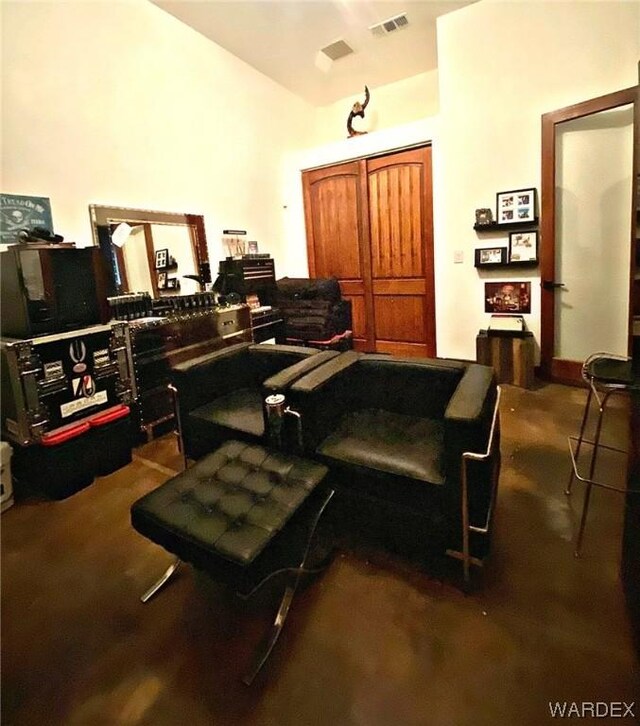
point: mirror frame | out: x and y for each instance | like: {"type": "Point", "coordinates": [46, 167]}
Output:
{"type": "Point", "coordinates": [105, 216]}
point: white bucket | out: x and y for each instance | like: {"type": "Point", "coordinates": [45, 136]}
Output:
{"type": "Point", "coordinates": [6, 482]}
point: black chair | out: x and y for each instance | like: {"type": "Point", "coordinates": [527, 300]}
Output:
{"type": "Point", "coordinates": [413, 444]}
{"type": "Point", "coordinates": [219, 396]}
{"type": "Point", "coordinates": [605, 374]}
{"type": "Point", "coordinates": [314, 313]}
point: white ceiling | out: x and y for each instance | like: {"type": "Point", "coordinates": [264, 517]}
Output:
{"type": "Point", "coordinates": [281, 38]}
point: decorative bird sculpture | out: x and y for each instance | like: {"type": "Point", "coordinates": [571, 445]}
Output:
{"type": "Point", "coordinates": [357, 110]}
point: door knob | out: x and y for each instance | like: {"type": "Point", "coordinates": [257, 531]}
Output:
{"type": "Point", "coordinates": [551, 285]}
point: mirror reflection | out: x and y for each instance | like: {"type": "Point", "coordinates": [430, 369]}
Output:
{"type": "Point", "coordinates": [154, 252]}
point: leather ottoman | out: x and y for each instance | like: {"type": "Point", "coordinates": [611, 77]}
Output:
{"type": "Point", "coordinates": [242, 514]}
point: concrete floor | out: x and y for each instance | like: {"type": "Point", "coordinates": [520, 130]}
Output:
{"type": "Point", "coordinates": [373, 642]}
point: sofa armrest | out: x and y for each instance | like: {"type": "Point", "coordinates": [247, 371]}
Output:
{"type": "Point", "coordinates": [270, 350]}
{"type": "Point", "coordinates": [268, 360]}
{"type": "Point", "coordinates": [467, 418]}
{"type": "Point", "coordinates": [319, 399]}
{"type": "Point", "coordinates": [280, 382]}
{"type": "Point", "coordinates": [470, 418]}
{"type": "Point", "coordinates": [469, 400]}
{"type": "Point", "coordinates": [202, 379]}
{"type": "Point", "coordinates": [317, 379]}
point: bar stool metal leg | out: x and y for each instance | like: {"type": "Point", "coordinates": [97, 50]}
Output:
{"type": "Point", "coordinates": [592, 467]}
{"type": "Point", "coordinates": [585, 417]}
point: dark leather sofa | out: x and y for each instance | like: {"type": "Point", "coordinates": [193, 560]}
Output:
{"type": "Point", "coordinates": [219, 396]}
{"type": "Point", "coordinates": [393, 432]}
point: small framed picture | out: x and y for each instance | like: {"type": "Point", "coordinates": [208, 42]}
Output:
{"type": "Point", "coordinates": [491, 256]}
{"type": "Point", "coordinates": [484, 217]}
{"type": "Point", "coordinates": [162, 259]}
{"type": "Point", "coordinates": [516, 207]}
{"type": "Point", "coordinates": [507, 297]}
{"type": "Point", "coordinates": [162, 280]}
{"type": "Point", "coordinates": [172, 283]}
{"type": "Point", "coordinates": [523, 247]}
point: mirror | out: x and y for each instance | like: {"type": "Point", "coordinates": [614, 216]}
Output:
{"type": "Point", "coordinates": [156, 252]}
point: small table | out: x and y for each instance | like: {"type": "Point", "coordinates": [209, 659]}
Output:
{"type": "Point", "coordinates": [242, 514]}
{"type": "Point", "coordinates": [511, 356]}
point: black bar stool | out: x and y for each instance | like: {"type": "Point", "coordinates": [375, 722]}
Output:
{"type": "Point", "coordinates": [605, 374]}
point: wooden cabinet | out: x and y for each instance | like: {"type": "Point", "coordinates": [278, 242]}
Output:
{"type": "Point", "coordinates": [511, 356]}
{"type": "Point", "coordinates": [370, 224]}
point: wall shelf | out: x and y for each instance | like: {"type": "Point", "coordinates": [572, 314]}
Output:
{"type": "Point", "coordinates": [506, 227]}
{"type": "Point", "coordinates": [503, 265]}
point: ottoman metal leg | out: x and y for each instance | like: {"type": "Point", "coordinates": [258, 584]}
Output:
{"type": "Point", "coordinates": [264, 651]}
{"type": "Point", "coordinates": [267, 645]}
{"type": "Point", "coordinates": [160, 583]}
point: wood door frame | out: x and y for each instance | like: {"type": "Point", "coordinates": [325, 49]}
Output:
{"type": "Point", "coordinates": [558, 370]}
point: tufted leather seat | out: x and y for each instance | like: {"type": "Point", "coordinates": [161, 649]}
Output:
{"type": "Point", "coordinates": [230, 504]}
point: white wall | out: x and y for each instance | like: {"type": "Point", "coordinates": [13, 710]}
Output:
{"type": "Point", "coordinates": [391, 105]}
{"type": "Point", "coordinates": [130, 107]}
{"type": "Point", "coordinates": [501, 66]}
{"type": "Point", "coordinates": [118, 103]}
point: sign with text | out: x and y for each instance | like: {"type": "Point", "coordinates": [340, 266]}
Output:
{"type": "Point", "coordinates": [21, 212]}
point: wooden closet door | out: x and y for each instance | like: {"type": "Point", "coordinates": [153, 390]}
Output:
{"type": "Point", "coordinates": [337, 244]}
{"type": "Point", "coordinates": [401, 241]}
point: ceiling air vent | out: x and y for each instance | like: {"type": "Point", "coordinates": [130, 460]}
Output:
{"type": "Point", "coordinates": [389, 26]}
{"type": "Point", "coordinates": [337, 50]}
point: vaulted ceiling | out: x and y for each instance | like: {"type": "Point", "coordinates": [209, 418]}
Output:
{"type": "Point", "coordinates": [283, 39]}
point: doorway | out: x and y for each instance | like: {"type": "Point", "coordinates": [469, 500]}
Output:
{"type": "Point", "coordinates": [586, 250]}
{"type": "Point", "coordinates": [369, 223]}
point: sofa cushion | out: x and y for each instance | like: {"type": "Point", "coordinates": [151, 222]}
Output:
{"type": "Point", "coordinates": [405, 446]}
{"type": "Point", "coordinates": [240, 410]}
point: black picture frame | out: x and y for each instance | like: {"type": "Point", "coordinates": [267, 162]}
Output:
{"type": "Point", "coordinates": [162, 280]}
{"type": "Point", "coordinates": [523, 247]}
{"type": "Point", "coordinates": [517, 206]}
{"type": "Point", "coordinates": [162, 259]}
{"type": "Point", "coordinates": [490, 256]}
{"type": "Point", "coordinates": [172, 283]}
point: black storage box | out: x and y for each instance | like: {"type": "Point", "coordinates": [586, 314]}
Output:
{"type": "Point", "coordinates": [56, 471]}
{"type": "Point", "coordinates": [70, 458]}
{"type": "Point", "coordinates": [111, 440]}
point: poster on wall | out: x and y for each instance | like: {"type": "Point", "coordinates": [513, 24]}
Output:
{"type": "Point", "coordinates": [507, 297]}
{"type": "Point", "coordinates": [22, 212]}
